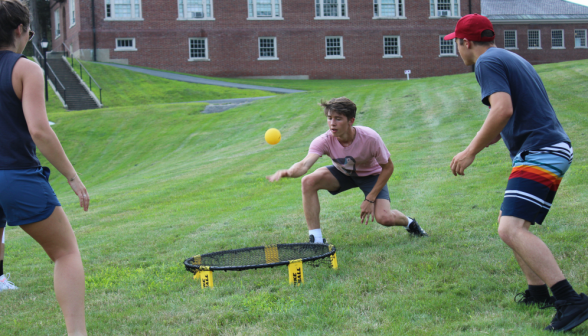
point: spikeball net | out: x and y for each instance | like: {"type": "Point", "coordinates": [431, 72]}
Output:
{"type": "Point", "coordinates": [242, 259]}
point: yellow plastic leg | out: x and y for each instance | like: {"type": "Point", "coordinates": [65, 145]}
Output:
{"type": "Point", "coordinates": [295, 272]}
{"type": "Point", "coordinates": [206, 279]}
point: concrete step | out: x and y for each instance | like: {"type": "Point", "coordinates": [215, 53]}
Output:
{"type": "Point", "coordinates": [77, 98]}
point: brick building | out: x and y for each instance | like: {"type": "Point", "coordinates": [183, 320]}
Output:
{"type": "Point", "coordinates": [298, 38]}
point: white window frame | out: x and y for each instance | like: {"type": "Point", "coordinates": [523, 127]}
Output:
{"type": "Point", "coordinates": [72, 13]}
{"type": "Point", "coordinates": [399, 5]}
{"type": "Point", "coordinates": [136, 15]}
{"type": "Point", "coordinates": [399, 55]}
{"type": "Point", "coordinates": [455, 11]}
{"type": "Point", "coordinates": [327, 56]}
{"type": "Point", "coordinates": [529, 39]}
{"type": "Point", "coordinates": [342, 6]}
{"type": "Point", "coordinates": [117, 48]}
{"type": "Point", "coordinates": [57, 18]}
{"type": "Point", "coordinates": [454, 44]}
{"type": "Point", "coordinates": [195, 59]}
{"type": "Point", "coordinates": [563, 43]}
{"type": "Point", "coordinates": [516, 40]}
{"type": "Point", "coordinates": [276, 6]}
{"type": "Point", "coordinates": [268, 58]}
{"type": "Point", "coordinates": [585, 39]}
{"type": "Point", "coordinates": [207, 15]}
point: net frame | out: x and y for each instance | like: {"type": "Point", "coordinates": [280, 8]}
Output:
{"type": "Point", "coordinates": [195, 268]}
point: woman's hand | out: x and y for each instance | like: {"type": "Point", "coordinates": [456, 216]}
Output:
{"type": "Point", "coordinates": [78, 187]}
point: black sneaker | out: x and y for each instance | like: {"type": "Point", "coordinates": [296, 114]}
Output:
{"type": "Point", "coordinates": [415, 230]}
{"type": "Point", "coordinates": [311, 239]}
{"type": "Point", "coordinates": [528, 299]}
{"type": "Point", "coordinates": [570, 314]}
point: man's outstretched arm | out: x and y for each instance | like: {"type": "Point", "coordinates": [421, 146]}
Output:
{"type": "Point", "coordinates": [298, 169]}
{"type": "Point", "coordinates": [497, 118]}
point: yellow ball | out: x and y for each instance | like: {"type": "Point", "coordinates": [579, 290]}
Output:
{"type": "Point", "coordinates": [273, 136]}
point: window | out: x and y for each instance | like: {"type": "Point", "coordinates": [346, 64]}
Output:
{"type": "Point", "coordinates": [195, 10]}
{"type": "Point", "coordinates": [447, 47]}
{"type": "Point", "coordinates": [331, 9]}
{"type": "Point", "coordinates": [199, 49]}
{"type": "Point", "coordinates": [57, 24]}
{"type": "Point", "coordinates": [264, 9]}
{"type": "Point", "coordinates": [510, 39]}
{"type": "Point", "coordinates": [334, 47]}
{"type": "Point", "coordinates": [534, 39]}
{"type": "Point", "coordinates": [392, 47]}
{"type": "Point", "coordinates": [444, 8]}
{"type": "Point", "coordinates": [72, 12]}
{"type": "Point", "coordinates": [125, 44]}
{"type": "Point", "coordinates": [267, 48]}
{"type": "Point", "coordinates": [123, 9]}
{"type": "Point", "coordinates": [389, 9]}
{"type": "Point", "coordinates": [557, 39]}
{"type": "Point", "coordinates": [580, 38]}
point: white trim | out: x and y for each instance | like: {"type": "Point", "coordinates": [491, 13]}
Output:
{"type": "Point", "coordinates": [331, 17]}
{"type": "Point", "coordinates": [327, 56]}
{"type": "Point", "coordinates": [516, 39]}
{"type": "Point", "coordinates": [538, 21]}
{"type": "Point", "coordinates": [193, 59]}
{"type": "Point", "coordinates": [563, 39]}
{"type": "Point", "coordinates": [57, 21]}
{"type": "Point", "coordinates": [454, 54]}
{"type": "Point", "coordinates": [264, 19]}
{"type": "Point", "coordinates": [117, 48]}
{"type": "Point", "coordinates": [444, 17]}
{"type": "Point", "coordinates": [275, 47]}
{"type": "Point", "coordinates": [538, 37]}
{"type": "Point", "coordinates": [389, 18]}
{"type": "Point", "coordinates": [134, 15]}
{"type": "Point", "coordinates": [273, 16]}
{"type": "Point", "coordinates": [205, 17]}
{"type": "Point", "coordinates": [447, 55]}
{"type": "Point", "coordinates": [399, 55]}
{"type": "Point", "coordinates": [72, 13]}
{"type": "Point", "coordinates": [435, 4]}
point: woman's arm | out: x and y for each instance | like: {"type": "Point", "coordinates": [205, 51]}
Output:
{"type": "Point", "coordinates": [33, 105]}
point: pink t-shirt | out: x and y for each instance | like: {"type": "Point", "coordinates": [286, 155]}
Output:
{"type": "Point", "coordinates": [362, 158]}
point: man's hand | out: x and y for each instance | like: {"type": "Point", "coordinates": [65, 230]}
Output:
{"type": "Point", "coordinates": [367, 209]}
{"type": "Point", "coordinates": [277, 175]}
{"type": "Point", "coordinates": [461, 161]}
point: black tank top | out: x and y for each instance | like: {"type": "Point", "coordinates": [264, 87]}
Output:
{"type": "Point", "coordinates": [17, 149]}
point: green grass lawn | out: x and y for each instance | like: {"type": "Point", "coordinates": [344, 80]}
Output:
{"type": "Point", "coordinates": [127, 88]}
{"type": "Point", "coordinates": [167, 182]}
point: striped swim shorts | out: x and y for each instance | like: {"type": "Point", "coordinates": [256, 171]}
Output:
{"type": "Point", "coordinates": [534, 181]}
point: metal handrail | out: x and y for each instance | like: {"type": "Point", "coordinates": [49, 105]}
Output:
{"type": "Point", "coordinates": [51, 74]}
{"type": "Point", "coordinates": [84, 68]}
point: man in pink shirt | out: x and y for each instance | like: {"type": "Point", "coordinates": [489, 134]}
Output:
{"type": "Point", "coordinates": [360, 160]}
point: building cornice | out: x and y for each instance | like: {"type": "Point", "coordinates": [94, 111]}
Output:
{"type": "Point", "coordinates": [535, 21]}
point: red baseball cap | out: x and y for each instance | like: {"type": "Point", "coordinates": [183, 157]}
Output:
{"type": "Point", "coordinates": [471, 27]}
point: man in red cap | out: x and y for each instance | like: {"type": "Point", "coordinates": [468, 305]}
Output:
{"type": "Point", "coordinates": [521, 114]}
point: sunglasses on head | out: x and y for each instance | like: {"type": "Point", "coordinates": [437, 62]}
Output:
{"type": "Point", "coordinates": [31, 34]}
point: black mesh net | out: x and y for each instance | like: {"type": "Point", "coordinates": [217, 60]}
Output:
{"type": "Point", "coordinates": [261, 256]}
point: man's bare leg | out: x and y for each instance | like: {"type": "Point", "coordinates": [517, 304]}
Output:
{"type": "Point", "coordinates": [311, 184]}
{"type": "Point", "coordinates": [388, 217]}
{"type": "Point", "coordinates": [531, 250]}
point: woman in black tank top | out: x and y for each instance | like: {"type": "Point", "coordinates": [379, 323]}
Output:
{"type": "Point", "coordinates": [27, 200]}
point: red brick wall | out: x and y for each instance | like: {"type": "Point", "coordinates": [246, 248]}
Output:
{"type": "Point", "coordinates": [69, 36]}
{"type": "Point", "coordinates": [546, 54]}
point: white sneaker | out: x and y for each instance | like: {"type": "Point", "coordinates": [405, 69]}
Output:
{"type": "Point", "coordinates": [5, 284]}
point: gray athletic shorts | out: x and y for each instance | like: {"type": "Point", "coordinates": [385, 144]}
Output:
{"type": "Point", "coordinates": [365, 183]}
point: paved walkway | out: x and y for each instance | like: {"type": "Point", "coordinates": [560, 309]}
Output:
{"type": "Point", "coordinates": [198, 80]}
{"type": "Point", "coordinates": [221, 105]}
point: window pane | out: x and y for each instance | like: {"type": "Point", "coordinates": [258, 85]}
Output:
{"type": "Point", "coordinates": [433, 8]}
{"type": "Point", "coordinates": [197, 48]}
{"type": "Point", "coordinates": [277, 11]}
{"type": "Point", "coordinates": [330, 8]}
{"type": "Point", "coordinates": [446, 46]}
{"type": "Point", "coordinates": [391, 46]}
{"type": "Point", "coordinates": [181, 8]}
{"type": "Point", "coordinates": [510, 39]}
{"type": "Point", "coordinates": [400, 8]}
{"type": "Point", "coordinates": [122, 8]}
{"type": "Point", "coordinates": [444, 5]}
{"type": "Point", "coordinates": [580, 38]}
{"type": "Point", "coordinates": [334, 46]}
{"type": "Point", "coordinates": [264, 8]}
{"type": "Point", "coordinates": [318, 8]}
{"type": "Point", "coordinates": [195, 9]}
{"type": "Point", "coordinates": [376, 9]}
{"type": "Point", "coordinates": [266, 48]}
{"type": "Point", "coordinates": [534, 39]}
{"type": "Point", "coordinates": [557, 38]}
{"type": "Point", "coordinates": [388, 8]}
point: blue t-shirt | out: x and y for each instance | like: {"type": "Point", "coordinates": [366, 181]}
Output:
{"type": "Point", "coordinates": [533, 124]}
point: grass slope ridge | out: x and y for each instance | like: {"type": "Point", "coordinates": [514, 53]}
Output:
{"type": "Point", "coordinates": [168, 182]}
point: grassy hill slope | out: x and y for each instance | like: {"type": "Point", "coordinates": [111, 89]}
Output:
{"type": "Point", "coordinates": [167, 182]}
